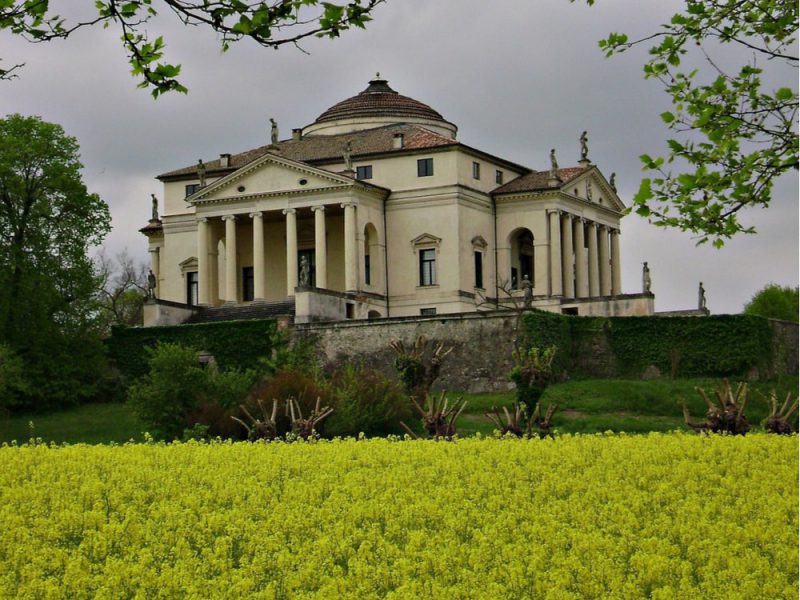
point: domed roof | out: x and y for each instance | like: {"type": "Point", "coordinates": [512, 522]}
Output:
{"type": "Point", "coordinates": [379, 100]}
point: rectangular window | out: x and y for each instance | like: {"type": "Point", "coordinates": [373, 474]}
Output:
{"type": "Point", "coordinates": [478, 269]}
{"type": "Point", "coordinates": [192, 288]}
{"type": "Point", "coordinates": [424, 167]}
{"type": "Point", "coordinates": [498, 177]}
{"type": "Point", "coordinates": [427, 267]}
{"type": "Point", "coordinates": [248, 284]}
{"type": "Point", "coordinates": [476, 170]}
{"type": "Point", "coordinates": [427, 312]}
{"type": "Point", "coordinates": [367, 274]}
{"type": "Point", "coordinates": [192, 188]}
{"type": "Point", "coordinates": [364, 172]}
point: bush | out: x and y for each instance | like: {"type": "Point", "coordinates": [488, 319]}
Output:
{"type": "Point", "coordinates": [12, 379]}
{"type": "Point", "coordinates": [365, 401]}
{"type": "Point", "coordinates": [177, 391]}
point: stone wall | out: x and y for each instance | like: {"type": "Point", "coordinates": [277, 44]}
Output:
{"type": "Point", "coordinates": [482, 347]}
{"type": "Point", "coordinates": [481, 355]}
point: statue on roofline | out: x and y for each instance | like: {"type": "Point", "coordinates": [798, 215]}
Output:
{"type": "Point", "coordinates": [347, 154]}
{"type": "Point", "coordinates": [613, 181]}
{"type": "Point", "coordinates": [646, 281]}
{"type": "Point", "coordinates": [201, 172]}
{"type": "Point", "coordinates": [584, 140]}
{"type": "Point", "coordinates": [553, 161]}
{"type": "Point", "coordinates": [273, 133]}
{"type": "Point", "coordinates": [151, 284]}
{"type": "Point", "coordinates": [701, 297]}
{"type": "Point", "coordinates": [154, 213]}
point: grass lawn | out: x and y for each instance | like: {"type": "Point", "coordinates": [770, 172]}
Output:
{"type": "Point", "coordinates": [587, 406]}
{"type": "Point", "coordinates": [597, 405]}
{"type": "Point", "coordinates": [89, 424]}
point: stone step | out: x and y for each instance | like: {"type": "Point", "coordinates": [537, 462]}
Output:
{"type": "Point", "coordinates": [256, 310]}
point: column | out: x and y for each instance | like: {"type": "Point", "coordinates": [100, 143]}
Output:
{"type": "Point", "coordinates": [581, 279]}
{"type": "Point", "coordinates": [230, 259]}
{"type": "Point", "coordinates": [594, 270]}
{"type": "Point", "coordinates": [203, 281]}
{"type": "Point", "coordinates": [566, 256]}
{"type": "Point", "coordinates": [320, 247]}
{"type": "Point", "coordinates": [259, 287]}
{"type": "Point", "coordinates": [350, 247]}
{"type": "Point", "coordinates": [605, 267]}
{"type": "Point", "coordinates": [291, 250]}
{"type": "Point", "coordinates": [556, 285]}
{"type": "Point", "coordinates": [616, 276]}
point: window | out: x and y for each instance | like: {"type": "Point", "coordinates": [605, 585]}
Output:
{"type": "Point", "coordinates": [476, 170]}
{"type": "Point", "coordinates": [427, 267]}
{"type": "Point", "coordinates": [424, 167]}
{"type": "Point", "coordinates": [364, 172]}
{"type": "Point", "coordinates": [192, 188]}
{"type": "Point", "coordinates": [427, 312]}
{"type": "Point", "coordinates": [192, 288]}
{"type": "Point", "coordinates": [367, 275]}
{"type": "Point", "coordinates": [498, 177]}
{"type": "Point", "coordinates": [349, 311]}
{"type": "Point", "coordinates": [248, 284]}
{"type": "Point", "coordinates": [478, 269]}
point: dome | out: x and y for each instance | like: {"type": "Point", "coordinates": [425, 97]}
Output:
{"type": "Point", "coordinates": [376, 106]}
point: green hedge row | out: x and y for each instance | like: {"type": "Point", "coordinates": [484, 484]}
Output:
{"type": "Point", "coordinates": [724, 345]}
{"type": "Point", "coordinates": [233, 343]}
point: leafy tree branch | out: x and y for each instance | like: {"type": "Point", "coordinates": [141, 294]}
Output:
{"type": "Point", "coordinates": [270, 24]}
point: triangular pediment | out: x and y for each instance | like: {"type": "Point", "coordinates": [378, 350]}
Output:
{"type": "Point", "coordinates": [426, 239]}
{"type": "Point", "coordinates": [270, 175]}
{"type": "Point", "coordinates": [601, 191]}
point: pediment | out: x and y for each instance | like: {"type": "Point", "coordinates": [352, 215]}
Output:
{"type": "Point", "coordinates": [601, 191]}
{"type": "Point", "coordinates": [426, 239]}
{"type": "Point", "coordinates": [269, 175]}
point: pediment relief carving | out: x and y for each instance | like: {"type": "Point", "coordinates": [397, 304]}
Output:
{"type": "Point", "coordinates": [479, 242]}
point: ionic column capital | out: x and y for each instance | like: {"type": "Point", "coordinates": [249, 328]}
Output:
{"type": "Point", "coordinates": [229, 218]}
{"type": "Point", "coordinates": [256, 215]}
{"type": "Point", "coordinates": [202, 220]}
{"type": "Point", "coordinates": [289, 211]}
{"type": "Point", "coordinates": [348, 204]}
{"type": "Point", "coordinates": [318, 208]}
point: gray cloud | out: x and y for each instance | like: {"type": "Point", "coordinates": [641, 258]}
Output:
{"type": "Point", "coordinates": [517, 77]}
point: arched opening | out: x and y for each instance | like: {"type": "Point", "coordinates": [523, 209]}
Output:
{"type": "Point", "coordinates": [372, 256]}
{"type": "Point", "coordinates": [521, 244]}
{"type": "Point", "coordinates": [373, 314]}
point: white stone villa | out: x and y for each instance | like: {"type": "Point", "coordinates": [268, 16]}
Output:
{"type": "Point", "coordinates": [377, 210]}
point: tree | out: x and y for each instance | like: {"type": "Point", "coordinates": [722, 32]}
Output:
{"type": "Point", "coordinates": [735, 133]}
{"type": "Point", "coordinates": [122, 291]}
{"type": "Point", "coordinates": [775, 302]}
{"type": "Point", "coordinates": [270, 24]}
{"type": "Point", "coordinates": [48, 220]}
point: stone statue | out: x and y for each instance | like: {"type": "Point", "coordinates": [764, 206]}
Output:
{"type": "Point", "coordinates": [273, 131]}
{"type": "Point", "coordinates": [701, 297]}
{"type": "Point", "coordinates": [584, 146]}
{"type": "Point", "coordinates": [305, 272]}
{"type": "Point", "coordinates": [553, 162]}
{"type": "Point", "coordinates": [588, 190]}
{"type": "Point", "coordinates": [201, 172]}
{"type": "Point", "coordinates": [151, 284]}
{"type": "Point", "coordinates": [613, 181]}
{"type": "Point", "coordinates": [154, 214]}
{"type": "Point", "coordinates": [646, 281]}
{"type": "Point", "coordinates": [347, 155]}
{"type": "Point", "coordinates": [527, 291]}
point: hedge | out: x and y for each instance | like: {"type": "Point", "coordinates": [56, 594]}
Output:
{"type": "Point", "coordinates": [714, 346]}
{"type": "Point", "coordinates": [232, 343]}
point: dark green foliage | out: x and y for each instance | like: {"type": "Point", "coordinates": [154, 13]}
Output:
{"type": "Point", "coordinates": [532, 373]}
{"type": "Point", "coordinates": [701, 346]}
{"type": "Point", "coordinates": [48, 285]}
{"type": "Point", "coordinates": [365, 401]}
{"type": "Point", "coordinates": [775, 302]}
{"type": "Point", "coordinates": [177, 387]}
{"type": "Point", "coordinates": [234, 344]}
{"type": "Point", "coordinates": [723, 345]}
{"type": "Point", "coordinates": [13, 385]}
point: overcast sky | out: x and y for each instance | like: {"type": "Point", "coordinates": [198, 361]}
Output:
{"type": "Point", "coordinates": [517, 77]}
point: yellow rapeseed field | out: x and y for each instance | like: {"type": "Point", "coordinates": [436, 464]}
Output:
{"type": "Point", "coordinates": [606, 516]}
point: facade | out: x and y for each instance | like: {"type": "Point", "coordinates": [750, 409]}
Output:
{"type": "Point", "coordinates": [377, 210]}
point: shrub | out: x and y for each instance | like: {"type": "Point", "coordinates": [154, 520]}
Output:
{"type": "Point", "coordinates": [178, 393]}
{"type": "Point", "coordinates": [532, 373]}
{"type": "Point", "coordinates": [365, 401]}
